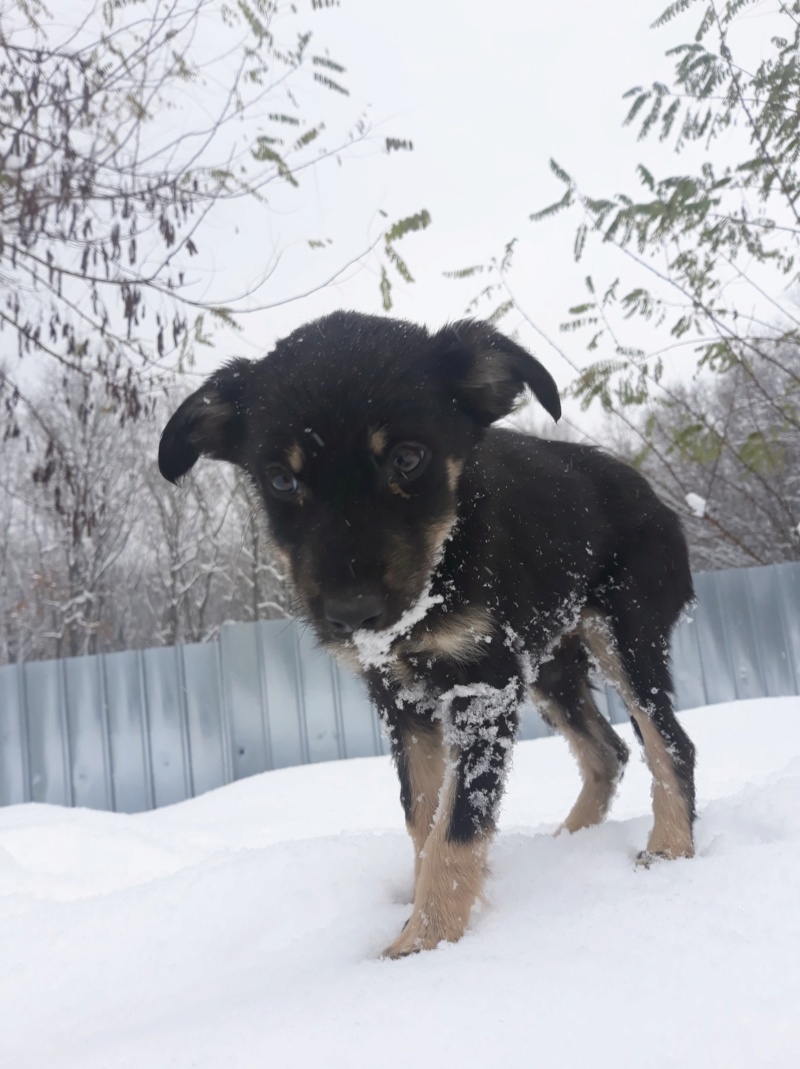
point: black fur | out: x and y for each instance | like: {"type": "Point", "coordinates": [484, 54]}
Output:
{"type": "Point", "coordinates": [383, 480]}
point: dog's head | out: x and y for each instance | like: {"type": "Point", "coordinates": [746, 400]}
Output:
{"type": "Point", "coordinates": [356, 430]}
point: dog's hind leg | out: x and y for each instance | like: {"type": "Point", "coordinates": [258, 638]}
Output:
{"type": "Point", "coordinates": [562, 695]}
{"type": "Point", "coordinates": [633, 656]}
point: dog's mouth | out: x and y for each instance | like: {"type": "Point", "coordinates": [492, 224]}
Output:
{"type": "Point", "coordinates": [368, 626]}
{"type": "Point", "coordinates": [374, 647]}
{"type": "Point", "coordinates": [358, 617]}
{"type": "Point", "coordinates": [362, 611]}
{"type": "Point", "coordinates": [370, 617]}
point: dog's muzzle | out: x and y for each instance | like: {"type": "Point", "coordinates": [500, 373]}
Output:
{"type": "Point", "coordinates": [349, 614]}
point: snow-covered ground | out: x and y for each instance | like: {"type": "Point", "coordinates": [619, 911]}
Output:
{"type": "Point", "coordinates": [242, 929]}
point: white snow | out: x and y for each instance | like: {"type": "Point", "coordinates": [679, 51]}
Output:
{"type": "Point", "coordinates": [697, 505]}
{"type": "Point", "coordinates": [241, 929]}
{"type": "Point", "coordinates": [374, 647]}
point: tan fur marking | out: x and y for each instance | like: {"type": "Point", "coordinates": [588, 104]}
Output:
{"type": "Point", "coordinates": [378, 441]}
{"type": "Point", "coordinates": [305, 583]}
{"type": "Point", "coordinates": [451, 878]}
{"type": "Point", "coordinates": [425, 756]}
{"type": "Point", "coordinates": [282, 555]}
{"type": "Point", "coordinates": [672, 834]}
{"type": "Point", "coordinates": [457, 635]}
{"type": "Point", "coordinates": [407, 571]}
{"type": "Point", "coordinates": [598, 788]}
{"type": "Point", "coordinates": [454, 469]}
{"type": "Point", "coordinates": [672, 831]}
{"type": "Point", "coordinates": [438, 535]}
{"type": "Point", "coordinates": [401, 672]}
{"type": "Point", "coordinates": [404, 571]}
{"type": "Point", "coordinates": [347, 655]}
{"type": "Point", "coordinates": [296, 458]}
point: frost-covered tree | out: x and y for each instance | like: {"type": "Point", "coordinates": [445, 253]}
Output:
{"type": "Point", "coordinates": [739, 486]}
{"type": "Point", "coordinates": [131, 134]}
{"type": "Point", "coordinates": [708, 268]}
{"type": "Point", "coordinates": [98, 553]}
{"type": "Point", "coordinates": [183, 549]}
{"type": "Point", "coordinates": [208, 557]}
{"type": "Point", "coordinates": [69, 500]}
{"type": "Point", "coordinates": [259, 589]}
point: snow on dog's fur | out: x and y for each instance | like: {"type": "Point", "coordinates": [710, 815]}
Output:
{"type": "Point", "coordinates": [457, 566]}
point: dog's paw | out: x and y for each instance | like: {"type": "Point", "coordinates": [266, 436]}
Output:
{"type": "Point", "coordinates": [646, 858]}
{"type": "Point", "coordinates": [421, 932]}
{"type": "Point", "coordinates": [402, 947]}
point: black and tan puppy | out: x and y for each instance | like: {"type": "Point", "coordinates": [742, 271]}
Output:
{"type": "Point", "coordinates": [458, 566]}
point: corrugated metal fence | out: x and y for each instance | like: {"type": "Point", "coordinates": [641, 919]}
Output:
{"type": "Point", "coordinates": [134, 730]}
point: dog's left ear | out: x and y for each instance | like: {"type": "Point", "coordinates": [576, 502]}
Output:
{"type": "Point", "coordinates": [488, 371]}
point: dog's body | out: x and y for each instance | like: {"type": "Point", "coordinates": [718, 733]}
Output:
{"type": "Point", "coordinates": [459, 566]}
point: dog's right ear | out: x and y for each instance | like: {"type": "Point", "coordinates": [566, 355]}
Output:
{"type": "Point", "coordinates": [211, 423]}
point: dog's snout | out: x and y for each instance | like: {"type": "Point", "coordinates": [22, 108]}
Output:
{"type": "Point", "coordinates": [348, 614]}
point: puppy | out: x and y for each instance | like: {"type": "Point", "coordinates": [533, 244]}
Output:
{"type": "Point", "coordinates": [458, 566]}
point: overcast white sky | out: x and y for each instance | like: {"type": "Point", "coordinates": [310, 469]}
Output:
{"type": "Point", "coordinates": [487, 93]}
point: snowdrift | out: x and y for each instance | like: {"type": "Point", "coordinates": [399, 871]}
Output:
{"type": "Point", "coordinates": [241, 929]}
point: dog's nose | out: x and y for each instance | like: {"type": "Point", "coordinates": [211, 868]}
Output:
{"type": "Point", "coordinates": [349, 614]}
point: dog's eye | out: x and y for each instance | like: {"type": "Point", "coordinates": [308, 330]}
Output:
{"type": "Point", "coordinates": [282, 482]}
{"type": "Point", "coordinates": [408, 459]}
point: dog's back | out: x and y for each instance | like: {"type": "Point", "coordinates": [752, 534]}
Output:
{"type": "Point", "coordinates": [558, 522]}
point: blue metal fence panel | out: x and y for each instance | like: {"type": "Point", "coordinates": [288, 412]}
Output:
{"type": "Point", "coordinates": [688, 673]}
{"type": "Point", "coordinates": [134, 730]}
{"type": "Point", "coordinates": [87, 741]}
{"type": "Point", "coordinates": [319, 695]}
{"type": "Point", "coordinates": [166, 723]}
{"type": "Point", "coordinates": [49, 759]}
{"type": "Point", "coordinates": [710, 618]}
{"type": "Point", "coordinates": [128, 736]}
{"type": "Point", "coordinates": [202, 687]}
{"type": "Point", "coordinates": [360, 725]}
{"type": "Point", "coordinates": [777, 663]}
{"type": "Point", "coordinates": [244, 700]}
{"type": "Point", "coordinates": [789, 608]}
{"type": "Point", "coordinates": [14, 780]}
{"type": "Point", "coordinates": [744, 653]}
{"type": "Point", "coordinates": [283, 697]}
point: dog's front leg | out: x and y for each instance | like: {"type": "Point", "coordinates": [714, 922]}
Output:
{"type": "Point", "coordinates": [479, 721]}
{"type": "Point", "coordinates": [418, 751]}
{"type": "Point", "coordinates": [422, 772]}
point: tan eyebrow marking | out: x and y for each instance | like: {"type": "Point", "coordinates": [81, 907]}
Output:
{"type": "Point", "coordinates": [294, 454]}
{"type": "Point", "coordinates": [378, 440]}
